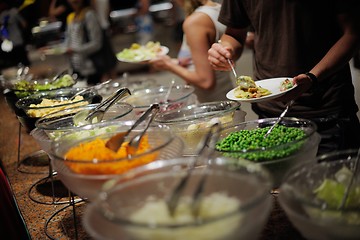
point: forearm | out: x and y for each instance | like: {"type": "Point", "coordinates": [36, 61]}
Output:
{"type": "Point", "coordinates": [234, 39]}
{"type": "Point", "coordinates": [204, 80]}
{"type": "Point", "coordinates": [343, 50]}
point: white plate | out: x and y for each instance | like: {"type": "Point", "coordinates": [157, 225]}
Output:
{"type": "Point", "coordinates": [164, 51]}
{"type": "Point", "coordinates": [271, 84]}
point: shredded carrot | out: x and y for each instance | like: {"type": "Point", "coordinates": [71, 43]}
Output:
{"type": "Point", "coordinates": [98, 159]}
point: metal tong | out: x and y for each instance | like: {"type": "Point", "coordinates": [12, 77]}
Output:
{"type": "Point", "coordinates": [209, 140]}
{"type": "Point", "coordinates": [116, 141]}
{"type": "Point", "coordinates": [116, 96]}
{"type": "Point", "coordinates": [347, 190]}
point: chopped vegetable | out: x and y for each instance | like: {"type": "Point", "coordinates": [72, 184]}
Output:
{"type": "Point", "coordinates": [95, 158]}
{"type": "Point", "coordinates": [242, 143]}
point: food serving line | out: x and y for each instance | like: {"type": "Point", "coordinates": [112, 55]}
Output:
{"type": "Point", "coordinates": [37, 214]}
{"type": "Point", "coordinates": [136, 164]}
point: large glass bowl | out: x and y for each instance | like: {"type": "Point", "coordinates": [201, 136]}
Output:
{"type": "Point", "coordinates": [180, 96]}
{"type": "Point", "coordinates": [85, 176]}
{"type": "Point", "coordinates": [278, 158]}
{"type": "Point", "coordinates": [20, 87]}
{"type": "Point", "coordinates": [235, 205]}
{"type": "Point", "coordinates": [192, 122]}
{"type": "Point", "coordinates": [132, 83]}
{"type": "Point", "coordinates": [62, 122]}
{"type": "Point", "coordinates": [311, 196]}
{"type": "Point", "coordinates": [31, 111]}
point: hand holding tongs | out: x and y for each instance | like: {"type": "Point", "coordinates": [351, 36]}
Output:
{"type": "Point", "coordinates": [210, 139]}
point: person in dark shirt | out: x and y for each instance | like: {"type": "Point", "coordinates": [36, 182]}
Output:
{"type": "Point", "coordinates": [304, 40]}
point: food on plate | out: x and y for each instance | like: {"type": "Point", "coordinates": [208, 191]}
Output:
{"type": "Point", "coordinates": [95, 158]}
{"type": "Point", "coordinates": [253, 91]}
{"type": "Point", "coordinates": [286, 84]}
{"type": "Point", "coordinates": [216, 205]}
{"type": "Point", "coordinates": [48, 106]}
{"type": "Point", "coordinates": [138, 53]}
{"type": "Point", "coordinates": [241, 143]}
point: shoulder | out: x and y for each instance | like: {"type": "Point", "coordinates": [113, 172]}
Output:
{"type": "Point", "coordinates": [197, 20]}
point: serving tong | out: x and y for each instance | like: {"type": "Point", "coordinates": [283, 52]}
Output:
{"type": "Point", "coordinates": [209, 140]}
{"type": "Point", "coordinates": [97, 86]}
{"type": "Point", "coordinates": [348, 187]}
{"type": "Point", "coordinates": [86, 116]}
{"type": "Point", "coordinates": [116, 141]}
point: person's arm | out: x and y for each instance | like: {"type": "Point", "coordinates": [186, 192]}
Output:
{"type": "Point", "coordinates": [94, 32]}
{"type": "Point", "coordinates": [200, 33]}
{"type": "Point", "coordinates": [230, 46]}
{"type": "Point", "coordinates": [55, 11]}
{"type": "Point", "coordinates": [339, 55]}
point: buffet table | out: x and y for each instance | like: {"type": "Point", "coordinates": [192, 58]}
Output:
{"type": "Point", "coordinates": [59, 217]}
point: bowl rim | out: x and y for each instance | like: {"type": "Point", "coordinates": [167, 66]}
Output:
{"type": "Point", "coordinates": [42, 122]}
{"type": "Point", "coordinates": [305, 167]}
{"type": "Point", "coordinates": [33, 91]}
{"type": "Point", "coordinates": [59, 157]}
{"type": "Point", "coordinates": [191, 117]}
{"type": "Point", "coordinates": [264, 120]}
{"type": "Point", "coordinates": [135, 174]}
{"type": "Point", "coordinates": [157, 89]}
{"type": "Point", "coordinates": [23, 103]}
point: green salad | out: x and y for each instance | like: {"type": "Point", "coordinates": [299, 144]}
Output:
{"type": "Point", "coordinates": [24, 88]}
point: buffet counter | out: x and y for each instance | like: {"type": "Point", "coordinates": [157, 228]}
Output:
{"type": "Point", "coordinates": [57, 215]}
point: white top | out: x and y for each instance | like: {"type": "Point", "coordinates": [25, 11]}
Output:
{"type": "Point", "coordinates": [223, 81]}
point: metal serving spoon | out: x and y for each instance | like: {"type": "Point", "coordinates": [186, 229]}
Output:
{"type": "Point", "coordinates": [282, 115]}
{"type": "Point", "coordinates": [89, 88]}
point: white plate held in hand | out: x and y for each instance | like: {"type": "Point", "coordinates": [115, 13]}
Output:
{"type": "Point", "coordinates": [271, 84]}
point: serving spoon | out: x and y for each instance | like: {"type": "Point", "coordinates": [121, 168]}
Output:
{"type": "Point", "coordinates": [282, 115]}
{"type": "Point", "coordinates": [89, 88]}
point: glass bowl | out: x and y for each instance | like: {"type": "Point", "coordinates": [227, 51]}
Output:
{"type": "Point", "coordinates": [296, 141]}
{"type": "Point", "coordinates": [85, 174]}
{"type": "Point", "coordinates": [18, 88]}
{"type": "Point", "coordinates": [192, 122]}
{"type": "Point", "coordinates": [62, 122]}
{"type": "Point", "coordinates": [57, 100]}
{"type": "Point", "coordinates": [133, 206]}
{"type": "Point", "coordinates": [312, 192]}
{"type": "Point", "coordinates": [132, 83]}
{"type": "Point", "coordinates": [180, 96]}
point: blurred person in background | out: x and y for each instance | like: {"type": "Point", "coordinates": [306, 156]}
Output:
{"type": "Point", "coordinates": [306, 41]}
{"type": "Point", "coordinates": [90, 51]}
{"type": "Point", "coordinates": [144, 22]}
{"type": "Point", "coordinates": [102, 8]}
{"type": "Point", "coordinates": [201, 29]}
{"type": "Point", "coordinates": [59, 10]}
{"type": "Point", "coordinates": [13, 46]}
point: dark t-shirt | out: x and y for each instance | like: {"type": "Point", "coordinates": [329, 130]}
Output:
{"type": "Point", "coordinates": [291, 36]}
